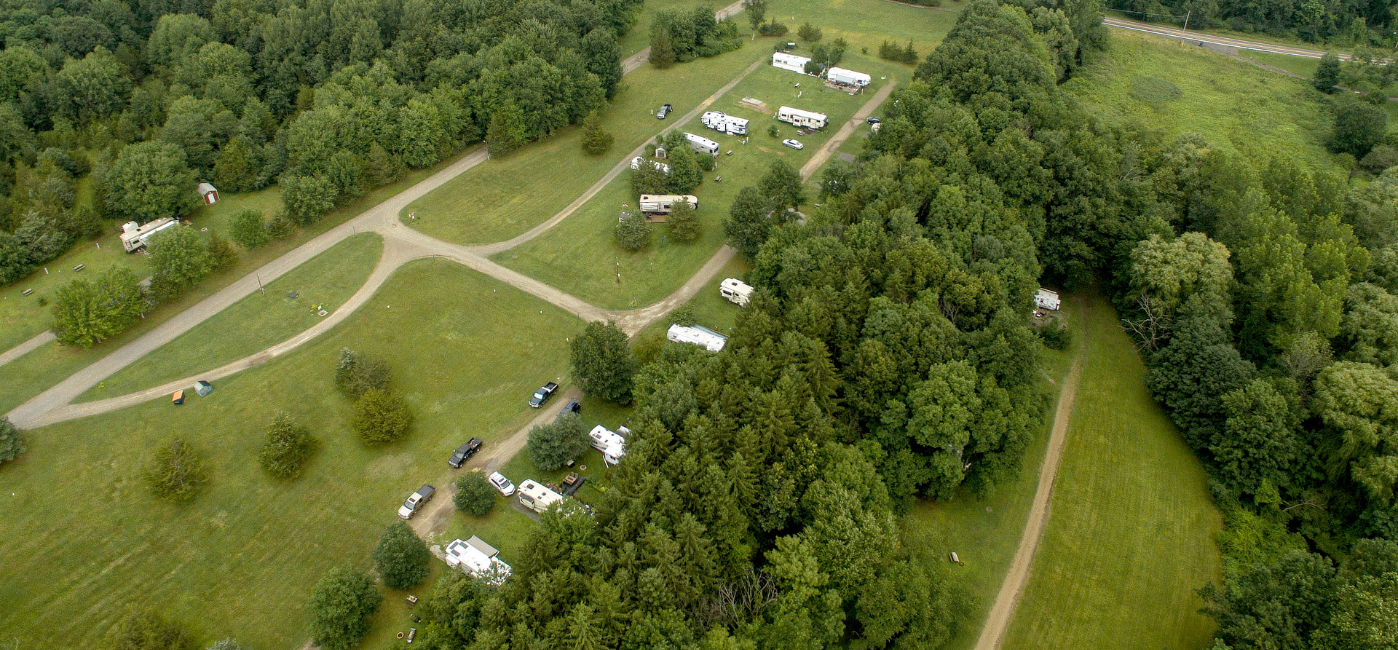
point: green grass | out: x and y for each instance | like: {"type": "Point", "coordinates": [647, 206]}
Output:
{"type": "Point", "coordinates": [1237, 106]}
{"type": "Point", "coordinates": [866, 23]}
{"type": "Point", "coordinates": [1304, 66]}
{"type": "Point", "coordinates": [242, 559]}
{"type": "Point", "coordinates": [580, 255]}
{"type": "Point", "coordinates": [255, 322]}
{"type": "Point", "coordinates": [1131, 530]}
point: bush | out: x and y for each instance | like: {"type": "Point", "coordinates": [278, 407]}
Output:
{"type": "Point", "coordinates": [892, 52]}
{"type": "Point", "coordinates": [145, 629]}
{"type": "Point", "coordinates": [281, 226]}
{"type": "Point", "coordinates": [355, 375]}
{"type": "Point", "coordinates": [340, 607]}
{"type": "Point", "coordinates": [808, 32]}
{"type": "Point", "coordinates": [1358, 127]}
{"type": "Point", "coordinates": [248, 229]}
{"type": "Point", "coordinates": [683, 223]}
{"type": "Point", "coordinates": [773, 28]}
{"type": "Point", "coordinates": [474, 494]}
{"type": "Point", "coordinates": [176, 471]}
{"type": "Point", "coordinates": [401, 557]}
{"type": "Point", "coordinates": [1055, 335]}
{"type": "Point", "coordinates": [221, 254]}
{"type": "Point", "coordinates": [553, 444]}
{"type": "Point", "coordinates": [682, 315]}
{"type": "Point", "coordinates": [632, 232]}
{"type": "Point", "coordinates": [286, 447]}
{"type": "Point", "coordinates": [774, 132]}
{"type": "Point", "coordinates": [1379, 158]}
{"type": "Point", "coordinates": [381, 416]}
{"type": "Point", "coordinates": [11, 441]}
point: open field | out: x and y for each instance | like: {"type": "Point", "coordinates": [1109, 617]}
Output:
{"type": "Point", "coordinates": [242, 559]}
{"type": "Point", "coordinates": [255, 322]}
{"type": "Point", "coordinates": [580, 255]}
{"type": "Point", "coordinates": [1131, 527]}
{"type": "Point", "coordinates": [1301, 65]}
{"type": "Point", "coordinates": [867, 24]}
{"type": "Point", "coordinates": [1235, 105]}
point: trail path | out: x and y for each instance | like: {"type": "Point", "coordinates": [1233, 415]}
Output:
{"type": "Point", "coordinates": [1003, 610]}
{"type": "Point", "coordinates": [25, 347]}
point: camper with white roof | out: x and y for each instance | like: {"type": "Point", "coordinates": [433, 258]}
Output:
{"type": "Point", "coordinates": [798, 117]}
{"type": "Point", "coordinates": [610, 443]}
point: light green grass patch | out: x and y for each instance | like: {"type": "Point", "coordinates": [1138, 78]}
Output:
{"type": "Point", "coordinates": [1131, 527]}
{"type": "Point", "coordinates": [1302, 65]}
{"type": "Point", "coordinates": [1237, 106]}
{"type": "Point", "coordinates": [580, 255]}
{"type": "Point", "coordinates": [866, 23]}
{"type": "Point", "coordinates": [242, 559]}
{"type": "Point", "coordinates": [260, 320]}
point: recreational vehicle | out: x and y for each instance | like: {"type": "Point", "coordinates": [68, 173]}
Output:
{"type": "Point", "coordinates": [701, 144]}
{"type": "Point", "coordinates": [478, 559]}
{"type": "Point", "coordinates": [1046, 299]}
{"type": "Point", "coordinates": [537, 497]}
{"type": "Point", "coordinates": [659, 166]}
{"type": "Point", "coordinates": [798, 117]}
{"type": "Point", "coordinates": [848, 77]}
{"type": "Point", "coordinates": [134, 235]}
{"type": "Point", "coordinates": [609, 442]}
{"type": "Point", "coordinates": [790, 62]}
{"type": "Point", "coordinates": [663, 203]}
{"type": "Point", "coordinates": [736, 291]}
{"type": "Point", "coordinates": [725, 123]}
{"type": "Point", "coordinates": [697, 335]}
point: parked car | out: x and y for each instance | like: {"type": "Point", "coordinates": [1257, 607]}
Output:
{"type": "Point", "coordinates": [872, 120]}
{"type": "Point", "coordinates": [543, 394]}
{"type": "Point", "coordinates": [501, 483]}
{"type": "Point", "coordinates": [571, 407]}
{"type": "Point", "coordinates": [794, 144]}
{"type": "Point", "coordinates": [410, 507]}
{"type": "Point", "coordinates": [664, 110]}
{"type": "Point", "coordinates": [465, 452]}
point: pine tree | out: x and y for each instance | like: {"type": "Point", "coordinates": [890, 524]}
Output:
{"type": "Point", "coordinates": [595, 141]}
{"type": "Point", "coordinates": [506, 132]}
{"type": "Point", "coordinates": [662, 51]}
{"type": "Point", "coordinates": [1328, 74]}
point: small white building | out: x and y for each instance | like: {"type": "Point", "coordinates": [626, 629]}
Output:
{"type": "Point", "coordinates": [736, 291]}
{"type": "Point", "coordinates": [610, 443]}
{"type": "Point", "coordinates": [790, 62]}
{"type": "Point", "coordinates": [1046, 299]}
{"type": "Point", "coordinates": [697, 335]}
{"type": "Point", "coordinates": [209, 192]}
{"type": "Point", "coordinates": [798, 117]}
{"type": "Point", "coordinates": [848, 77]}
{"type": "Point", "coordinates": [476, 558]}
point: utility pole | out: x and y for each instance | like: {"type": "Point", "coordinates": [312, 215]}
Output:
{"type": "Point", "coordinates": [1187, 12]}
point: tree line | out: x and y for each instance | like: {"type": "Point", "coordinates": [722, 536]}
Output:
{"type": "Point", "coordinates": [1351, 23]}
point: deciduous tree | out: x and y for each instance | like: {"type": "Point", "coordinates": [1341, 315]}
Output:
{"type": "Point", "coordinates": [603, 362]}
{"type": "Point", "coordinates": [340, 607]}
{"type": "Point", "coordinates": [683, 222]}
{"type": "Point", "coordinates": [381, 416]}
{"type": "Point", "coordinates": [151, 180]}
{"type": "Point", "coordinates": [87, 313]}
{"type": "Point", "coordinates": [553, 444]}
{"type": "Point", "coordinates": [401, 557]}
{"type": "Point", "coordinates": [474, 493]}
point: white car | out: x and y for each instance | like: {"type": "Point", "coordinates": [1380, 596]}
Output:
{"type": "Point", "coordinates": [501, 483]}
{"type": "Point", "coordinates": [794, 144]}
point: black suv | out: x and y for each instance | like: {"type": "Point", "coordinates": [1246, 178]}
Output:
{"type": "Point", "coordinates": [664, 110]}
{"type": "Point", "coordinates": [465, 452]}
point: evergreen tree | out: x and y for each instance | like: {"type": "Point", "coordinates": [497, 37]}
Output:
{"type": "Point", "coordinates": [1327, 75]}
{"type": "Point", "coordinates": [506, 131]}
{"type": "Point", "coordinates": [11, 441]}
{"type": "Point", "coordinates": [401, 557]}
{"type": "Point", "coordinates": [662, 50]}
{"type": "Point", "coordinates": [683, 222]}
{"type": "Point", "coordinates": [603, 362]}
{"type": "Point", "coordinates": [286, 447]}
{"type": "Point", "coordinates": [595, 141]}
{"type": "Point", "coordinates": [176, 471]}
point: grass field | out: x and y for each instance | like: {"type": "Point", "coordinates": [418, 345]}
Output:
{"type": "Point", "coordinates": [1130, 534]}
{"type": "Point", "coordinates": [1301, 65]}
{"type": "Point", "coordinates": [1237, 106]}
{"type": "Point", "coordinates": [255, 322]}
{"type": "Point", "coordinates": [242, 559]}
{"type": "Point", "coordinates": [581, 256]}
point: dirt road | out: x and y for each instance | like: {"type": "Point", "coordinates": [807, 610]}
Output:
{"type": "Point", "coordinates": [1003, 610]}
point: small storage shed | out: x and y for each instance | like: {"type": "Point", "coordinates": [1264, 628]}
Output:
{"type": "Point", "coordinates": [177, 398]}
{"type": "Point", "coordinates": [203, 388]}
{"type": "Point", "coordinates": [209, 192]}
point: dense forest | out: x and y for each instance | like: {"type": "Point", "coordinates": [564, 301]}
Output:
{"type": "Point", "coordinates": [113, 109]}
{"type": "Point", "coordinates": [1348, 23]}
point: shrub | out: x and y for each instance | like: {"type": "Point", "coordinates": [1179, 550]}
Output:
{"type": "Point", "coordinates": [355, 374]}
{"type": "Point", "coordinates": [401, 557]}
{"type": "Point", "coordinates": [286, 448]}
{"type": "Point", "coordinates": [1055, 336]}
{"type": "Point", "coordinates": [176, 471]}
{"type": "Point", "coordinates": [808, 32]}
{"type": "Point", "coordinates": [774, 132]}
{"type": "Point", "coordinates": [226, 644]}
{"type": "Point", "coordinates": [381, 416]}
{"type": "Point", "coordinates": [773, 28]}
{"type": "Point", "coordinates": [248, 229]}
{"type": "Point", "coordinates": [340, 606]}
{"type": "Point", "coordinates": [682, 315]}
{"type": "Point", "coordinates": [474, 494]}
{"type": "Point", "coordinates": [595, 141]}
{"type": "Point", "coordinates": [553, 444]}
{"type": "Point", "coordinates": [145, 629]}
{"type": "Point", "coordinates": [281, 226]}
{"type": "Point", "coordinates": [1379, 158]}
{"type": "Point", "coordinates": [221, 253]}
{"type": "Point", "coordinates": [683, 223]}
{"type": "Point", "coordinates": [632, 233]}
{"type": "Point", "coordinates": [11, 441]}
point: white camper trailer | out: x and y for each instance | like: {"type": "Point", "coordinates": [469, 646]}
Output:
{"type": "Point", "coordinates": [662, 167]}
{"type": "Point", "coordinates": [798, 117]}
{"type": "Point", "coordinates": [848, 77]}
{"type": "Point", "coordinates": [725, 123]}
{"type": "Point", "coordinates": [1046, 299]}
{"type": "Point", "coordinates": [478, 559]}
{"type": "Point", "coordinates": [790, 62]}
{"type": "Point", "coordinates": [663, 203]}
{"type": "Point", "coordinates": [537, 497]}
{"type": "Point", "coordinates": [701, 144]}
{"type": "Point", "coordinates": [736, 291]}
{"type": "Point", "coordinates": [610, 443]}
{"type": "Point", "coordinates": [697, 335]}
{"type": "Point", "coordinates": [134, 236]}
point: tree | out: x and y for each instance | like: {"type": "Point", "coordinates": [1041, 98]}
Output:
{"type": "Point", "coordinates": [603, 363]}
{"type": "Point", "coordinates": [340, 607]}
{"type": "Point", "coordinates": [176, 471]}
{"type": "Point", "coordinates": [307, 198]}
{"type": "Point", "coordinates": [808, 32]}
{"type": "Point", "coordinates": [146, 629]}
{"type": "Point", "coordinates": [1191, 375]}
{"type": "Point", "coordinates": [783, 187]}
{"type": "Point", "coordinates": [1358, 127]}
{"type": "Point", "coordinates": [94, 86]}
{"type": "Point", "coordinates": [474, 494]}
{"type": "Point", "coordinates": [356, 374]}
{"type": "Point", "coordinates": [506, 131]}
{"type": "Point", "coordinates": [647, 178]}
{"type": "Point", "coordinates": [401, 557]}
{"type": "Point", "coordinates": [87, 313]}
{"type": "Point", "coordinates": [286, 447]}
{"type": "Point", "coordinates": [595, 141]}
{"type": "Point", "coordinates": [757, 12]}
{"type": "Point", "coordinates": [662, 50]}
{"type": "Point", "coordinates": [1327, 75]}
{"type": "Point", "coordinates": [683, 222]}
{"type": "Point", "coordinates": [236, 169]}
{"type": "Point", "coordinates": [1257, 442]}
{"type": "Point", "coordinates": [748, 224]}
{"type": "Point", "coordinates": [149, 181]}
{"type": "Point", "coordinates": [248, 229]}
{"type": "Point", "coordinates": [228, 643]}
{"type": "Point", "coordinates": [632, 232]}
{"type": "Point", "coordinates": [555, 443]}
{"type": "Point", "coordinates": [222, 256]}
{"type": "Point", "coordinates": [179, 260]}
{"type": "Point", "coordinates": [381, 416]}
{"type": "Point", "coordinates": [1358, 403]}
{"type": "Point", "coordinates": [11, 441]}
{"type": "Point", "coordinates": [685, 174]}
{"type": "Point", "coordinates": [1279, 606]}
{"type": "Point", "coordinates": [1369, 329]}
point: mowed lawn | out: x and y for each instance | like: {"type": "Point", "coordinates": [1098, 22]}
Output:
{"type": "Point", "coordinates": [507, 196]}
{"type": "Point", "coordinates": [242, 559]}
{"type": "Point", "coordinates": [256, 322]}
{"type": "Point", "coordinates": [1131, 527]}
{"type": "Point", "coordinates": [1236, 106]}
{"type": "Point", "coordinates": [581, 256]}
